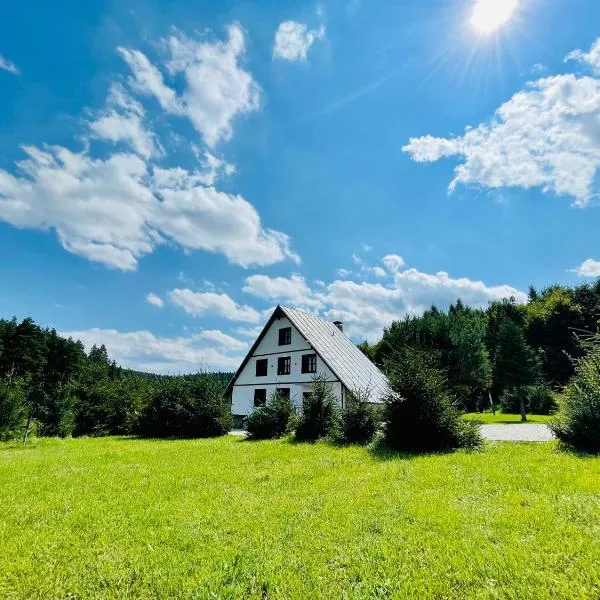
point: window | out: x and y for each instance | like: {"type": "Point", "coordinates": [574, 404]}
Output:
{"type": "Point", "coordinates": [260, 397]}
{"type": "Point", "coordinates": [285, 336]}
{"type": "Point", "coordinates": [283, 392]}
{"type": "Point", "coordinates": [261, 367]}
{"type": "Point", "coordinates": [284, 365]}
{"type": "Point", "coordinates": [309, 363]}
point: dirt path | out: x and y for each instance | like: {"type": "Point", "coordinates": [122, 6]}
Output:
{"type": "Point", "coordinates": [518, 432]}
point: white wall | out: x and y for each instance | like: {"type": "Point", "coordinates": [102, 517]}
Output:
{"type": "Point", "coordinates": [243, 396]}
{"type": "Point", "coordinates": [298, 382]}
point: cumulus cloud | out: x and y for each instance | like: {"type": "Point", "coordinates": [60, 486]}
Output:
{"type": "Point", "coordinates": [118, 206]}
{"type": "Point", "coordinates": [293, 289]}
{"type": "Point", "coordinates": [293, 40]}
{"type": "Point", "coordinates": [144, 351]}
{"type": "Point", "coordinates": [155, 300]}
{"type": "Point", "coordinates": [588, 268]}
{"type": "Point", "coordinates": [123, 121]}
{"type": "Point", "coordinates": [221, 339]}
{"type": "Point", "coordinates": [367, 308]}
{"type": "Point", "coordinates": [7, 65]}
{"type": "Point", "coordinates": [591, 58]}
{"type": "Point", "coordinates": [393, 263]}
{"type": "Point", "coordinates": [546, 136]}
{"type": "Point", "coordinates": [200, 304]}
{"type": "Point", "coordinates": [217, 88]}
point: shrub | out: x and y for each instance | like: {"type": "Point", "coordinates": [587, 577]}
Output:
{"type": "Point", "coordinates": [320, 415]}
{"type": "Point", "coordinates": [12, 408]}
{"type": "Point", "coordinates": [273, 420]}
{"type": "Point", "coordinates": [179, 408]}
{"type": "Point", "coordinates": [359, 420]}
{"type": "Point", "coordinates": [420, 414]}
{"type": "Point", "coordinates": [538, 400]}
{"type": "Point", "coordinates": [578, 424]}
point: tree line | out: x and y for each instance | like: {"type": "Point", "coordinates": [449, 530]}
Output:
{"type": "Point", "coordinates": [51, 386]}
{"type": "Point", "coordinates": [515, 356]}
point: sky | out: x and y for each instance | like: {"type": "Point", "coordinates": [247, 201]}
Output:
{"type": "Point", "coordinates": [170, 171]}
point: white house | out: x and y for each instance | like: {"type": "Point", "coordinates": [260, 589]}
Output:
{"type": "Point", "coordinates": [291, 350]}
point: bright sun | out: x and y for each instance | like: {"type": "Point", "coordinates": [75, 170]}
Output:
{"type": "Point", "coordinates": [490, 15]}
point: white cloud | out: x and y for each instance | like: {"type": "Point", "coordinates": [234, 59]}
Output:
{"type": "Point", "coordinates": [116, 208]}
{"type": "Point", "coordinates": [293, 40]}
{"type": "Point", "coordinates": [217, 89]}
{"type": "Point", "coordinates": [155, 300]}
{"type": "Point", "coordinates": [343, 273]}
{"type": "Point", "coordinates": [367, 308]}
{"type": "Point", "coordinates": [393, 263]}
{"type": "Point", "coordinates": [250, 332]}
{"type": "Point", "coordinates": [123, 122]}
{"type": "Point", "coordinates": [293, 289]}
{"type": "Point", "coordinates": [546, 136]}
{"type": "Point", "coordinates": [212, 304]}
{"type": "Point", "coordinates": [222, 339]}
{"type": "Point", "coordinates": [378, 272]}
{"type": "Point", "coordinates": [7, 65]}
{"type": "Point", "coordinates": [591, 58]}
{"type": "Point", "coordinates": [143, 351]}
{"type": "Point", "coordinates": [588, 268]}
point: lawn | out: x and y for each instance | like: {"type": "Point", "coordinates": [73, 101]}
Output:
{"type": "Point", "coordinates": [505, 418]}
{"type": "Point", "coordinates": [229, 518]}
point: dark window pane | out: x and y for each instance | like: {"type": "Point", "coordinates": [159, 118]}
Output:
{"type": "Point", "coordinates": [284, 365]}
{"type": "Point", "coordinates": [309, 363]}
{"type": "Point", "coordinates": [284, 392]}
{"type": "Point", "coordinates": [261, 367]}
{"type": "Point", "coordinates": [285, 336]}
{"type": "Point", "coordinates": [260, 397]}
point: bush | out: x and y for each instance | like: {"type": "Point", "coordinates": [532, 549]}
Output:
{"type": "Point", "coordinates": [538, 400]}
{"type": "Point", "coordinates": [420, 414]}
{"type": "Point", "coordinates": [273, 420]}
{"type": "Point", "coordinates": [578, 424]}
{"type": "Point", "coordinates": [359, 420]}
{"type": "Point", "coordinates": [12, 409]}
{"type": "Point", "coordinates": [179, 408]}
{"type": "Point", "coordinates": [320, 415]}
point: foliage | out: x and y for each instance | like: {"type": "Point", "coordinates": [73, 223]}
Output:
{"type": "Point", "coordinates": [578, 424]}
{"type": "Point", "coordinates": [12, 408]}
{"type": "Point", "coordinates": [113, 518]}
{"type": "Point", "coordinates": [537, 399]}
{"type": "Point", "coordinates": [179, 408]}
{"type": "Point", "coordinates": [359, 420]}
{"type": "Point", "coordinates": [320, 413]}
{"type": "Point", "coordinates": [272, 420]}
{"type": "Point", "coordinates": [420, 413]}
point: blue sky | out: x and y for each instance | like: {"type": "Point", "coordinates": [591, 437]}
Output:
{"type": "Point", "coordinates": [170, 171]}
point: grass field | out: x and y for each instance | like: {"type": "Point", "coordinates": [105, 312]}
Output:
{"type": "Point", "coordinates": [228, 518]}
{"type": "Point", "coordinates": [502, 418]}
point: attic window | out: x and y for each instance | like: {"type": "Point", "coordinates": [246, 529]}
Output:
{"type": "Point", "coordinates": [285, 336]}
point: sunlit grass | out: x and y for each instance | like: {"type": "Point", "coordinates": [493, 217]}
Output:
{"type": "Point", "coordinates": [227, 518]}
{"type": "Point", "coordinates": [504, 418]}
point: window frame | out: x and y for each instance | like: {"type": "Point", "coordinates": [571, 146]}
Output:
{"type": "Point", "coordinates": [261, 402]}
{"type": "Point", "coordinates": [265, 362]}
{"type": "Point", "coordinates": [311, 360]}
{"type": "Point", "coordinates": [284, 392]}
{"type": "Point", "coordinates": [285, 333]}
{"type": "Point", "coordinates": [284, 360]}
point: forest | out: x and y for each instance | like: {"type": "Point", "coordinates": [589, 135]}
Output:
{"type": "Point", "coordinates": [509, 356]}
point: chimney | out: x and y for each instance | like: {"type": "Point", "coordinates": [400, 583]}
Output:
{"type": "Point", "coordinates": [339, 325]}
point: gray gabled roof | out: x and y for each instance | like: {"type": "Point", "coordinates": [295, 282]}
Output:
{"type": "Point", "coordinates": [336, 349]}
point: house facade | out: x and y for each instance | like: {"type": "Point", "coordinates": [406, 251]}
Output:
{"type": "Point", "coordinates": [292, 349]}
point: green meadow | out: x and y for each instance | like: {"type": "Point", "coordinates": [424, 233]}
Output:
{"type": "Point", "coordinates": [229, 518]}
